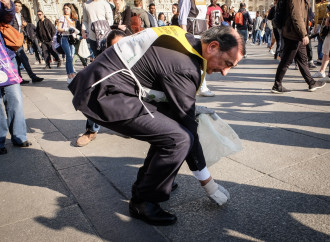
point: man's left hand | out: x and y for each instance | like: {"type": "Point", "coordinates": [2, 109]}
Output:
{"type": "Point", "coordinates": [201, 109]}
{"type": "Point", "coordinates": [305, 40]}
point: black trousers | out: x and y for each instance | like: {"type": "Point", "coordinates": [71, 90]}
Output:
{"type": "Point", "coordinates": [21, 58]}
{"type": "Point", "coordinates": [48, 50]}
{"type": "Point", "coordinates": [293, 50]}
{"type": "Point", "coordinates": [170, 143]}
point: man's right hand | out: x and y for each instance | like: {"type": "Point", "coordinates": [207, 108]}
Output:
{"type": "Point", "coordinates": [84, 35]}
{"type": "Point", "coordinates": [305, 40]}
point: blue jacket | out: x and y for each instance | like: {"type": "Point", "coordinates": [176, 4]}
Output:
{"type": "Point", "coordinates": [6, 16]}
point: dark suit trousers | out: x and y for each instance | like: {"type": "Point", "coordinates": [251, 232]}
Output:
{"type": "Point", "coordinates": [293, 50]}
{"type": "Point", "coordinates": [170, 143]}
{"type": "Point", "coordinates": [21, 58]}
{"type": "Point", "coordinates": [47, 51]}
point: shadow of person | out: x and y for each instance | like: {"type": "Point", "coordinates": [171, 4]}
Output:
{"type": "Point", "coordinates": [94, 202]}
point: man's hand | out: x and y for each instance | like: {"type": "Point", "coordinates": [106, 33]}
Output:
{"type": "Point", "coordinates": [84, 34]}
{"type": "Point", "coordinates": [305, 40]}
{"type": "Point", "coordinates": [201, 109]}
{"type": "Point", "coordinates": [6, 3]}
{"type": "Point", "coordinates": [184, 27]}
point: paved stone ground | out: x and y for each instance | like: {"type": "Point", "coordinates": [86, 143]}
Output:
{"type": "Point", "coordinates": [279, 183]}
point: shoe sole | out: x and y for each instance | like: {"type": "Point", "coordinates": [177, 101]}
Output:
{"type": "Point", "coordinates": [136, 215]}
{"type": "Point", "coordinates": [315, 88]}
{"type": "Point", "coordinates": [278, 92]}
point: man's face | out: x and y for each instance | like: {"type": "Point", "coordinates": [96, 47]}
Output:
{"type": "Point", "coordinates": [213, 2]}
{"type": "Point", "coordinates": [40, 15]}
{"type": "Point", "coordinates": [18, 7]}
{"type": "Point", "coordinates": [152, 9]}
{"type": "Point", "coordinates": [219, 61]}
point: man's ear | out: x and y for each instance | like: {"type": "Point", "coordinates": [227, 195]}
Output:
{"type": "Point", "coordinates": [213, 46]}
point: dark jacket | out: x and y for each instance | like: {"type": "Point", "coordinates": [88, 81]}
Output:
{"type": "Point", "coordinates": [246, 20]}
{"type": "Point", "coordinates": [30, 31]}
{"type": "Point", "coordinates": [296, 19]}
{"type": "Point", "coordinates": [176, 74]}
{"type": "Point", "coordinates": [45, 30]}
{"type": "Point", "coordinates": [6, 16]}
{"type": "Point", "coordinates": [125, 18]}
{"type": "Point", "coordinates": [15, 23]}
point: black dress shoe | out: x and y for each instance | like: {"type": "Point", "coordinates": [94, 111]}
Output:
{"type": "Point", "coordinates": [151, 213]}
{"type": "Point", "coordinates": [24, 82]}
{"type": "Point", "coordinates": [174, 186]}
{"type": "Point", "coordinates": [47, 67]}
{"type": "Point", "coordinates": [3, 151]}
{"type": "Point", "coordinates": [24, 144]}
{"type": "Point", "coordinates": [37, 79]}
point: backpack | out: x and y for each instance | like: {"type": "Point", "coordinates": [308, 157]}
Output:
{"type": "Point", "coordinates": [279, 17]}
{"type": "Point", "coordinates": [102, 29]}
{"type": "Point", "coordinates": [13, 38]}
{"type": "Point", "coordinates": [239, 18]}
{"type": "Point", "coordinates": [136, 23]}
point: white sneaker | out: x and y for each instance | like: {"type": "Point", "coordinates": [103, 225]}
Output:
{"type": "Point", "coordinates": [271, 52]}
{"type": "Point", "coordinates": [36, 63]}
{"type": "Point", "coordinates": [318, 74]}
{"type": "Point", "coordinates": [206, 93]}
{"type": "Point", "coordinates": [224, 191]}
{"type": "Point", "coordinates": [43, 62]}
{"type": "Point", "coordinates": [219, 197]}
{"type": "Point", "coordinates": [69, 80]}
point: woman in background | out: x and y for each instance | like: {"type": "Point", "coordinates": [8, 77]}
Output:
{"type": "Point", "coordinates": [161, 20]}
{"type": "Point", "coordinates": [122, 17]}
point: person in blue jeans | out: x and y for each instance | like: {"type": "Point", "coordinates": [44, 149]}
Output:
{"type": "Point", "coordinates": [65, 25]}
{"type": "Point", "coordinates": [11, 95]}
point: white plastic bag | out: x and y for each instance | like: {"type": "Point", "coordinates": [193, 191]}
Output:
{"type": "Point", "coordinates": [83, 50]}
{"type": "Point", "coordinates": [217, 138]}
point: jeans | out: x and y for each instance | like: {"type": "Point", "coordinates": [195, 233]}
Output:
{"type": "Point", "coordinates": [91, 126]}
{"type": "Point", "coordinates": [36, 48]}
{"type": "Point", "coordinates": [93, 45]}
{"type": "Point", "coordinates": [268, 33]}
{"type": "Point", "coordinates": [13, 102]}
{"type": "Point", "coordinates": [257, 37]}
{"type": "Point", "coordinates": [319, 48]}
{"type": "Point", "coordinates": [69, 53]}
{"type": "Point", "coordinates": [244, 33]}
{"type": "Point", "coordinates": [21, 58]}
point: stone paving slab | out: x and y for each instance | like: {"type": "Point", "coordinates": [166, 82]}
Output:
{"type": "Point", "coordinates": [261, 210]}
{"type": "Point", "coordinates": [67, 224]}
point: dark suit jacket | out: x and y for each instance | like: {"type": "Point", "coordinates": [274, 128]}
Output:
{"type": "Point", "coordinates": [177, 74]}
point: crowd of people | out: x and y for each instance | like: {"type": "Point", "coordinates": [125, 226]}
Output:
{"type": "Point", "coordinates": [216, 42]}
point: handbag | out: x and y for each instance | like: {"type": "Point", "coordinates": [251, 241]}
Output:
{"type": "Point", "coordinates": [72, 40]}
{"type": "Point", "coordinates": [101, 28]}
{"type": "Point", "coordinates": [8, 72]}
{"type": "Point", "coordinates": [217, 138]}
{"type": "Point", "coordinates": [13, 38]}
{"type": "Point", "coordinates": [83, 50]}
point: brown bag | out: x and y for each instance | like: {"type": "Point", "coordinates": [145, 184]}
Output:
{"type": "Point", "coordinates": [13, 38]}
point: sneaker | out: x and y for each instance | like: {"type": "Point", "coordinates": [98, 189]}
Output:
{"type": "Point", "coordinates": [59, 63]}
{"type": "Point", "coordinates": [311, 65]}
{"type": "Point", "coordinates": [69, 80]}
{"type": "Point", "coordinates": [219, 197]}
{"type": "Point", "coordinates": [296, 67]}
{"type": "Point", "coordinates": [24, 144]}
{"type": "Point", "coordinates": [252, 44]}
{"type": "Point", "coordinates": [87, 137]}
{"type": "Point", "coordinates": [37, 79]}
{"type": "Point", "coordinates": [47, 67]}
{"type": "Point", "coordinates": [325, 79]}
{"type": "Point", "coordinates": [318, 62]}
{"type": "Point", "coordinates": [37, 63]}
{"type": "Point", "coordinates": [280, 90]}
{"type": "Point", "coordinates": [317, 85]}
{"type": "Point", "coordinates": [206, 93]}
{"type": "Point", "coordinates": [318, 74]}
{"type": "Point", "coordinates": [42, 62]}
{"type": "Point", "coordinates": [271, 52]}
{"type": "Point", "coordinates": [24, 82]}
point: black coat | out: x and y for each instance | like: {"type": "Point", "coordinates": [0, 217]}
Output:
{"type": "Point", "coordinates": [45, 30]}
{"type": "Point", "coordinates": [30, 31]}
{"type": "Point", "coordinates": [176, 74]}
